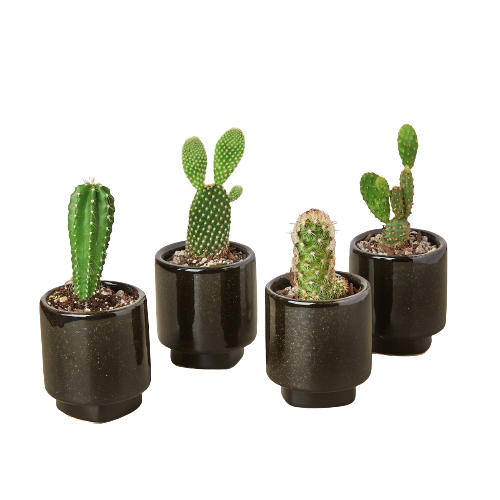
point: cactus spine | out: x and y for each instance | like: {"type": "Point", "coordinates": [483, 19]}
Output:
{"type": "Point", "coordinates": [90, 220]}
{"type": "Point", "coordinates": [313, 274]}
{"type": "Point", "coordinates": [210, 212]}
{"type": "Point", "coordinates": [376, 193]}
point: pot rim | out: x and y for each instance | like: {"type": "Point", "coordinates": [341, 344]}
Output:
{"type": "Point", "coordinates": [442, 246]}
{"type": "Point", "coordinates": [181, 245]}
{"type": "Point", "coordinates": [111, 312]}
{"type": "Point", "coordinates": [345, 301]}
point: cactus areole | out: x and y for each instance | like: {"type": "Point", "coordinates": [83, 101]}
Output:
{"type": "Point", "coordinates": [376, 193]}
{"type": "Point", "coordinates": [90, 221]}
{"type": "Point", "coordinates": [210, 212]}
{"type": "Point", "coordinates": [313, 274]}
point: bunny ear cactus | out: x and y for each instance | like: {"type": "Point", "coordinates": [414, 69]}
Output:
{"type": "Point", "coordinates": [313, 274]}
{"type": "Point", "coordinates": [376, 193]}
{"type": "Point", "coordinates": [90, 221]}
{"type": "Point", "coordinates": [210, 212]}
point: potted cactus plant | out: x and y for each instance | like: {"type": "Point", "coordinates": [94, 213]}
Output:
{"type": "Point", "coordinates": [206, 305]}
{"type": "Point", "coordinates": [318, 322]}
{"type": "Point", "coordinates": [406, 267]}
{"type": "Point", "coordinates": [95, 339]}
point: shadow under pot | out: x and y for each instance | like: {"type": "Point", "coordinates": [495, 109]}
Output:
{"type": "Point", "coordinates": [206, 316]}
{"type": "Point", "coordinates": [409, 295]}
{"type": "Point", "coordinates": [318, 351]}
{"type": "Point", "coordinates": [97, 364]}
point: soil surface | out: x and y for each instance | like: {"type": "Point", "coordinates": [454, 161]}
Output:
{"type": "Point", "coordinates": [232, 256]}
{"type": "Point", "coordinates": [104, 299]}
{"type": "Point", "coordinates": [416, 244]}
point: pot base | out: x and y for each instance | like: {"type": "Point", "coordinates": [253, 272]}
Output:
{"type": "Point", "coordinates": [100, 413]}
{"type": "Point", "coordinates": [401, 347]}
{"type": "Point", "coordinates": [220, 361]}
{"type": "Point", "coordinates": [306, 399]}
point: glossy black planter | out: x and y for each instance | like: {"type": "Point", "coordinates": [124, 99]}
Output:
{"type": "Point", "coordinates": [318, 352]}
{"type": "Point", "coordinates": [206, 316]}
{"type": "Point", "coordinates": [408, 293]}
{"type": "Point", "coordinates": [97, 364]}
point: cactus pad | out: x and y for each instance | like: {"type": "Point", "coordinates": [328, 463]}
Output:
{"type": "Point", "coordinates": [395, 233]}
{"type": "Point", "coordinates": [90, 221]}
{"type": "Point", "coordinates": [375, 191]}
{"type": "Point", "coordinates": [209, 222]}
{"type": "Point", "coordinates": [235, 193]}
{"type": "Point", "coordinates": [407, 145]}
{"type": "Point", "coordinates": [406, 183]}
{"type": "Point", "coordinates": [228, 153]}
{"type": "Point", "coordinates": [397, 203]}
{"type": "Point", "coordinates": [313, 267]}
{"type": "Point", "coordinates": [194, 161]}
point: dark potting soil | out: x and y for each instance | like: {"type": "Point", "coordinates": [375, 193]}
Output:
{"type": "Point", "coordinates": [416, 244]}
{"type": "Point", "coordinates": [232, 256]}
{"type": "Point", "coordinates": [104, 299]}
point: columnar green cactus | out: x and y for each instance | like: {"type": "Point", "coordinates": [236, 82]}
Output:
{"type": "Point", "coordinates": [376, 192]}
{"type": "Point", "coordinates": [210, 212]}
{"type": "Point", "coordinates": [90, 221]}
{"type": "Point", "coordinates": [313, 274]}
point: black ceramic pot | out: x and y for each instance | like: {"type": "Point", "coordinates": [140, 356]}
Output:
{"type": "Point", "coordinates": [318, 351]}
{"type": "Point", "coordinates": [97, 364]}
{"type": "Point", "coordinates": [409, 295]}
{"type": "Point", "coordinates": [206, 315]}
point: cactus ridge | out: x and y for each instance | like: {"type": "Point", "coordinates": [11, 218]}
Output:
{"type": "Point", "coordinates": [313, 274]}
{"type": "Point", "coordinates": [210, 212]}
{"type": "Point", "coordinates": [90, 222]}
{"type": "Point", "coordinates": [209, 222]}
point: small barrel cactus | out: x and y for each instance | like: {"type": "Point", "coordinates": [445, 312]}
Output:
{"type": "Point", "coordinates": [210, 212]}
{"type": "Point", "coordinates": [313, 274]}
{"type": "Point", "coordinates": [90, 221]}
{"type": "Point", "coordinates": [376, 193]}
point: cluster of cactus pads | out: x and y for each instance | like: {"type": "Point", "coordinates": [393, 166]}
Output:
{"type": "Point", "coordinates": [376, 193]}
{"type": "Point", "coordinates": [90, 221]}
{"type": "Point", "coordinates": [313, 274]}
{"type": "Point", "coordinates": [210, 212]}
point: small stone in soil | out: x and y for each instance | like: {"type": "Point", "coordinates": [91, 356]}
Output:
{"type": "Point", "coordinates": [64, 299]}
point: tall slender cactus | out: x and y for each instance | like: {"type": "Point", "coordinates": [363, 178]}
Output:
{"type": "Point", "coordinates": [90, 221]}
